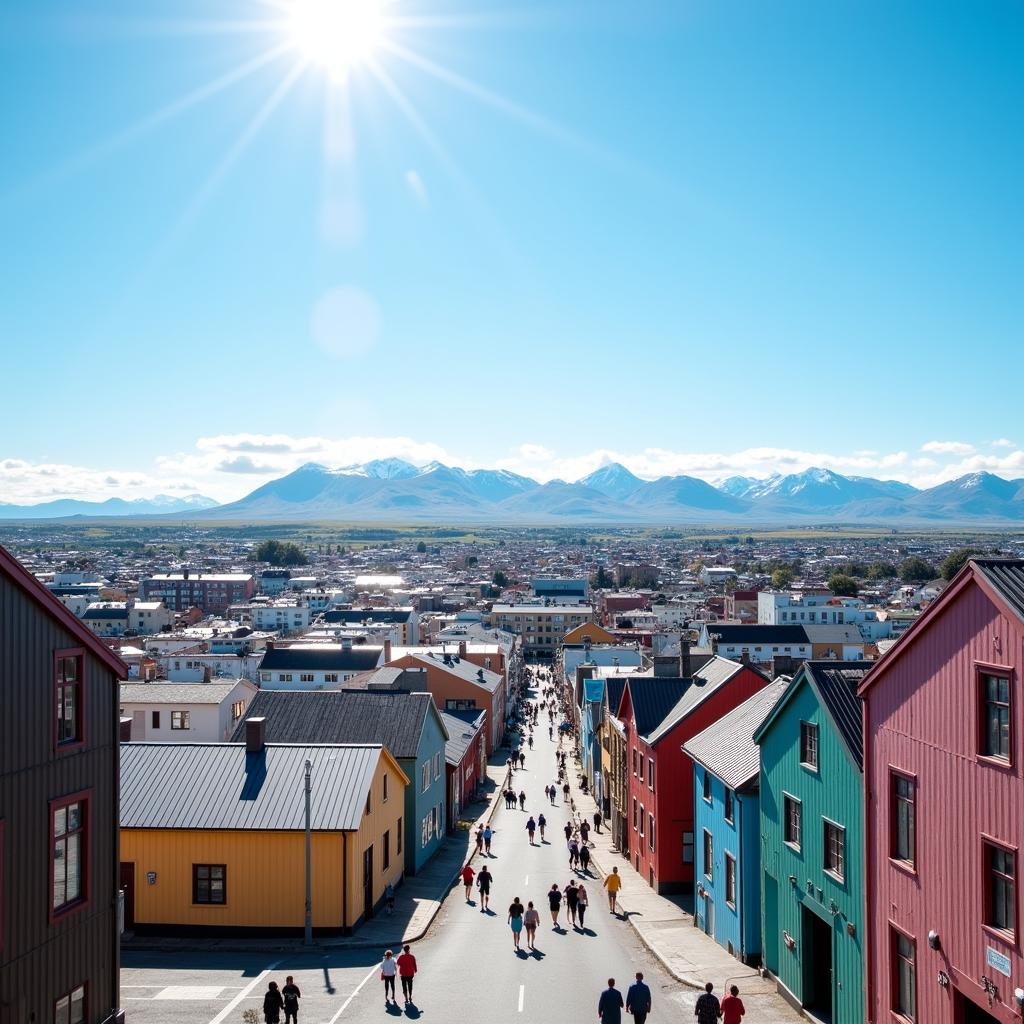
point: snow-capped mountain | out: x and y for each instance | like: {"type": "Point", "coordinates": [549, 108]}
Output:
{"type": "Point", "coordinates": [62, 507]}
{"type": "Point", "coordinates": [613, 481]}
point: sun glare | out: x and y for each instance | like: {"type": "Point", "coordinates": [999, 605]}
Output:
{"type": "Point", "coordinates": [338, 35]}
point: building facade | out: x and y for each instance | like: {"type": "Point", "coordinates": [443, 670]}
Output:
{"type": "Point", "coordinates": [541, 626]}
{"type": "Point", "coordinates": [185, 712]}
{"type": "Point", "coordinates": [210, 591]}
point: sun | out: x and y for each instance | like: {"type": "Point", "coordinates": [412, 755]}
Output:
{"type": "Point", "coordinates": [337, 35]}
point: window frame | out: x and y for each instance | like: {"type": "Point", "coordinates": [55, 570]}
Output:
{"type": "Point", "coordinates": [787, 799]}
{"type": "Point", "coordinates": [650, 831]}
{"type": "Point", "coordinates": [897, 775]}
{"type": "Point", "coordinates": [398, 837]}
{"type": "Point", "coordinates": [989, 843]}
{"type": "Point", "coordinates": [690, 845]}
{"type": "Point", "coordinates": [983, 670]}
{"type": "Point", "coordinates": [68, 746]}
{"type": "Point", "coordinates": [730, 860]}
{"type": "Point", "coordinates": [839, 874]}
{"type": "Point", "coordinates": [385, 850]}
{"type": "Point", "coordinates": [384, 788]}
{"type": "Point", "coordinates": [708, 855]}
{"type": "Point", "coordinates": [183, 717]}
{"type": "Point", "coordinates": [196, 902]}
{"type": "Point", "coordinates": [643, 822]}
{"type": "Point", "coordinates": [708, 793]}
{"type": "Point", "coordinates": [729, 806]}
{"type": "Point", "coordinates": [650, 774]}
{"type": "Point", "coordinates": [84, 986]}
{"type": "Point", "coordinates": [810, 730]}
{"type": "Point", "coordinates": [83, 796]}
{"type": "Point", "coordinates": [154, 719]}
{"type": "Point", "coordinates": [895, 933]}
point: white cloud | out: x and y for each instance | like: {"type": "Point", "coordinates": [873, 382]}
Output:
{"type": "Point", "coordinates": [345, 322]}
{"type": "Point", "coordinates": [947, 447]}
{"type": "Point", "coordinates": [1002, 442]}
{"type": "Point", "coordinates": [417, 188]}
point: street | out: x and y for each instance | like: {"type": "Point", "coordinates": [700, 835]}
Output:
{"type": "Point", "coordinates": [468, 969]}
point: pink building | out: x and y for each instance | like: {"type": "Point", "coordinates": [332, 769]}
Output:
{"type": "Point", "coordinates": [944, 810]}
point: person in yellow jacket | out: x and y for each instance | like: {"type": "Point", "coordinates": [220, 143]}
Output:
{"type": "Point", "coordinates": [613, 883]}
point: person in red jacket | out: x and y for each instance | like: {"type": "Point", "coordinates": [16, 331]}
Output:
{"type": "Point", "coordinates": [467, 880]}
{"type": "Point", "coordinates": [732, 1007]}
{"type": "Point", "coordinates": [406, 971]}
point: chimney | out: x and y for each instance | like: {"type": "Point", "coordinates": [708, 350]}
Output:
{"type": "Point", "coordinates": [685, 665]}
{"type": "Point", "coordinates": [255, 735]}
{"type": "Point", "coordinates": [387, 650]}
{"type": "Point", "coordinates": [745, 658]}
{"type": "Point", "coordinates": [126, 729]}
{"type": "Point", "coordinates": [462, 648]}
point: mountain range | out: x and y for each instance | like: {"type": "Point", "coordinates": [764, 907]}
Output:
{"type": "Point", "coordinates": [392, 490]}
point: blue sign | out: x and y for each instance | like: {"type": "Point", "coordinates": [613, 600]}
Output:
{"type": "Point", "coordinates": [997, 961]}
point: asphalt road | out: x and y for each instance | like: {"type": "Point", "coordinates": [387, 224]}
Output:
{"type": "Point", "coordinates": [468, 969]}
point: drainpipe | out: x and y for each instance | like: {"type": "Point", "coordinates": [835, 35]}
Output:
{"type": "Point", "coordinates": [344, 883]}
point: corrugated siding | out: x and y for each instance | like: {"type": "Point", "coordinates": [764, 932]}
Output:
{"type": "Point", "coordinates": [834, 792]}
{"type": "Point", "coordinates": [922, 718]}
{"type": "Point", "coordinates": [38, 960]}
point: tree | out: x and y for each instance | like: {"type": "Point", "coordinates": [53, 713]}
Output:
{"type": "Point", "coordinates": [500, 579]}
{"type": "Point", "coordinates": [278, 552]}
{"type": "Point", "coordinates": [602, 579]}
{"type": "Point", "coordinates": [955, 561]}
{"type": "Point", "coordinates": [842, 585]}
{"type": "Point", "coordinates": [916, 570]}
{"type": "Point", "coordinates": [882, 571]}
{"type": "Point", "coordinates": [421, 548]}
{"type": "Point", "coordinates": [782, 577]}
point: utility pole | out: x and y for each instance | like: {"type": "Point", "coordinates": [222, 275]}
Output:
{"type": "Point", "coordinates": [309, 878]}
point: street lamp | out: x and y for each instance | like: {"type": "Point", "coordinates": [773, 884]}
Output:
{"type": "Point", "coordinates": [308, 940]}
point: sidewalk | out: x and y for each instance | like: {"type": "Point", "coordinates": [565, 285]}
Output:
{"type": "Point", "coordinates": [417, 901]}
{"type": "Point", "coordinates": [689, 955]}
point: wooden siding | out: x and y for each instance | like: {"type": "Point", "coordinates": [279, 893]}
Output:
{"type": "Point", "coordinates": [834, 792]}
{"type": "Point", "coordinates": [40, 960]}
{"type": "Point", "coordinates": [922, 718]}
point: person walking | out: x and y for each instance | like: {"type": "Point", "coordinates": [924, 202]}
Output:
{"type": "Point", "coordinates": [613, 883]}
{"type": "Point", "coordinates": [597, 822]}
{"type": "Point", "coordinates": [707, 1010]}
{"type": "Point", "coordinates": [467, 880]}
{"type": "Point", "coordinates": [554, 903]}
{"type": "Point", "coordinates": [389, 900]}
{"type": "Point", "coordinates": [582, 902]}
{"type": "Point", "coordinates": [609, 1006]}
{"type": "Point", "coordinates": [531, 827]}
{"type": "Point", "coordinates": [584, 831]}
{"type": "Point", "coordinates": [483, 883]}
{"type": "Point", "coordinates": [574, 853]}
{"type": "Point", "coordinates": [638, 999]}
{"type": "Point", "coordinates": [554, 793]}
{"type": "Point", "coordinates": [541, 824]}
{"type": "Point", "coordinates": [290, 996]}
{"type": "Point", "coordinates": [488, 836]}
{"type": "Point", "coordinates": [522, 760]}
{"type": "Point", "coordinates": [530, 921]}
{"type": "Point", "coordinates": [515, 920]}
{"type": "Point", "coordinates": [407, 971]}
{"type": "Point", "coordinates": [568, 832]}
{"type": "Point", "coordinates": [522, 800]}
{"type": "Point", "coordinates": [480, 839]}
{"type": "Point", "coordinates": [273, 1003]}
{"type": "Point", "coordinates": [585, 859]}
{"type": "Point", "coordinates": [571, 901]}
{"type": "Point", "coordinates": [565, 793]}
{"type": "Point", "coordinates": [732, 1007]}
{"type": "Point", "coordinates": [388, 970]}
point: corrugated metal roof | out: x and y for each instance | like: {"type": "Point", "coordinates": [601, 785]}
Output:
{"type": "Point", "coordinates": [593, 689]}
{"type": "Point", "coordinates": [755, 634]}
{"type": "Point", "coordinates": [716, 672]}
{"type": "Point", "coordinates": [836, 683]}
{"type": "Point", "coordinates": [462, 668]}
{"type": "Point", "coordinates": [220, 786]}
{"type": "Point", "coordinates": [370, 615]}
{"type": "Point", "coordinates": [460, 735]}
{"type": "Point", "coordinates": [321, 657]}
{"type": "Point", "coordinates": [653, 697]}
{"type": "Point", "coordinates": [727, 748]}
{"type": "Point", "coordinates": [1006, 575]}
{"type": "Point", "coordinates": [176, 693]}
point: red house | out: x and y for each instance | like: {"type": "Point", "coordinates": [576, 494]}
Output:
{"type": "Point", "coordinates": [659, 714]}
{"type": "Point", "coordinates": [944, 811]}
{"type": "Point", "coordinates": [465, 755]}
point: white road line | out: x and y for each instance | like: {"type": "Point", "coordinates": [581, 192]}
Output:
{"type": "Point", "coordinates": [522, 993]}
{"type": "Point", "coordinates": [245, 991]}
{"type": "Point", "coordinates": [344, 1005]}
{"type": "Point", "coordinates": [526, 880]}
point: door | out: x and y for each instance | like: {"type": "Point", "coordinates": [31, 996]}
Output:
{"type": "Point", "coordinates": [138, 725]}
{"type": "Point", "coordinates": [816, 950]}
{"type": "Point", "coordinates": [709, 916]}
{"type": "Point", "coordinates": [970, 1013]}
{"type": "Point", "coordinates": [368, 883]}
{"type": "Point", "coordinates": [770, 939]}
{"type": "Point", "coordinates": [128, 887]}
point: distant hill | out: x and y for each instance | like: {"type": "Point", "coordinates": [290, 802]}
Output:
{"type": "Point", "coordinates": [61, 508]}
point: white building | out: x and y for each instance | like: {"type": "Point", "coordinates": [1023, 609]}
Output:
{"type": "Point", "coordinates": [316, 665]}
{"type": "Point", "coordinates": [283, 615]}
{"type": "Point", "coordinates": [185, 712]}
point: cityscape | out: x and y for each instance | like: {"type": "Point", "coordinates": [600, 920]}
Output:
{"type": "Point", "coordinates": [500, 517]}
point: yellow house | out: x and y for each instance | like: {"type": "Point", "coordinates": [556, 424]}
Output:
{"type": "Point", "coordinates": [588, 630]}
{"type": "Point", "coordinates": [213, 834]}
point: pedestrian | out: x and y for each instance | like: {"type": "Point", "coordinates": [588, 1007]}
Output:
{"type": "Point", "coordinates": [582, 902]}
{"type": "Point", "coordinates": [488, 836]}
{"type": "Point", "coordinates": [565, 793]}
{"type": "Point", "coordinates": [522, 759]}
{"type": "Point", "coordinates": [515, 920]}
{"type": "Point", "coordinates": [522, 800]}
{"type": "Point", "coordinates": [480, 839]}
{"type": "Point", "coordinates": [597, 822]}
{"type": "Point", "coordinates": [638, 999]}
{"type": "Point", "coordinates": [388, 970]}
{"type": "Point", "coordinates": [290, 994]}
{"type": "Point", "coordinates": [613, 883]}
{"type": "Point", "coordinates": [732, 1007]}
{"type": "Point", "coordinates": [609, 1006]}
{"type": "Point", "coordinates": [407, 971]}
{"type": "Point", "coordinates": [531, 827]}
{"type": "Point", "coordinates": [467, 880]}
{"type": "Point", "coordinates": [530, 921]}
{"type": "Point", "coordinates": [554, 793]}
{"type": "Point", "coordinates": [571, 901]}
{"type": "Point", "coordinates": [554, 903]}
{"type": "Point", "coordinates": [273, 1003]}
{"type": "Point", "coordinates": [574, 853]}
{"type": "Point", "coordinates": [541, 824]}
{"type": "Point", "coordinates": [483, 883]}
{"type": "Point", "coordinates": [389, 900]}
{"type": "Point", "coordinates": [707, 1010]}
{"type": "Point", "coordinates": [584, 831]}
{"type": "Point", "coordinates": [585, 859]}
{"type": "Point", "coordinates": [568, 831]}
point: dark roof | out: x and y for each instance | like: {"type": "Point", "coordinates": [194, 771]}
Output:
{"type": "Point", "coordinates": [106, 613]}
{"type": "Point", "coordinates": [614, 688]}
{"type": "Point", "coordinates": [331, 716]}
{"type": "Point", "coordinates": [321, 657]}
{"type": "Point", "coordinates": [460, 734]}
{"type": "Point", "coordinates": [714, 674]}
{"type": "Point", "coordinates": [758, 634]}
{"type": "Point", "coordinates": [220, 786]}
{"type": "Point", "coordinates": [469, 716]}
{"type": "Point", "coordinates": [373, 615]}
{"type": "Point", "coordinates": [653, 698]}
{"type": "Point", "coordinates": [1006, 576]}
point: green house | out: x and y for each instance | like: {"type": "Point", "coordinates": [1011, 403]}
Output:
{"type": "Point", "coordinates": [812, 839]}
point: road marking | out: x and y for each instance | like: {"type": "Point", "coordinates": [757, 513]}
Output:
{"type": "Point", "coordinates": [526, 880]}
{"type": "Point", "coordinates": [222, 1016]}
{"type": "Point", "coordinates": [522, 993]}
{"type": "Point", "coordinates": [344, 1005]}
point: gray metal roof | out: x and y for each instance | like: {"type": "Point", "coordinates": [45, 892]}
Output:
{"type": "Point", "coordinates": [833, 633]}
{"type": "Point", "coordinates": [1006, 576]}
{"type": "Point", "coordinates": [176, 693]}
{"type": "Point", "coordinates": [460, 735]}
{"type": "Point", "coordinates": [836, 683]}
{"type": "Point", "coordinates": [461, 667]}
{"type": "Point", "coordinates": [726, 748]}
{"type": "Point", "coordinates": [315, 657]}
{"type": "Point", "coordinates": [220, 786]}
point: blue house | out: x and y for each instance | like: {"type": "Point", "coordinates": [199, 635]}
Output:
{"type": "Point", "coordinates": [591, 716]}
{"type": "Point", "coordinates": [726, 768]}
{"type": "Point", "coordinates": [407, 724]}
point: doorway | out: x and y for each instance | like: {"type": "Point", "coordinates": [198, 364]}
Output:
{"type": "Point", "coordinates": [770, 940]}
{"type": "Point", "coordinates": [817, 965]}
{"type": "Point", "coordinates": [968, 1012]}
{"type": "Point", "coordinates": [128, 887]}
{"type": "Point", "coordinates": [368, 883]}
{"type": "Point", "coordinates": [709, 916]}
{"type": "Point", "coordinates": [138, 726]}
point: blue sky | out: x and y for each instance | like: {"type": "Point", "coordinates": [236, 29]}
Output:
{"type": "Point", "coordinates": [702, 237]}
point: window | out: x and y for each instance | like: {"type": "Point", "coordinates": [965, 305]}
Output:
{"type": "Point", "coordinates": [709, 855]}
{"type": "Point", "coordinates": [635, 826]}
{"type": "Point", "coordinates": [809, 745]}
{"type": "Point", "coordinates": [398, 837]}
{"type": "Point", "coordinates": [70, 1009]}
{"type": "Point", "coordinates": [707, 786]}
{"type": "Point", "coordinates": [384, 789]}
{"type": "Point", "coordinates": [155, 719]}
{"type": "Point", "coordinates": [236, 710]}
{"type": "Point", "coordinates": [792, 820]}
{"type": "Point", "coordinates": [369, 806]}
{"type": "Point", "coordinates": [180, 720]}
{"type": "Point", "coordinates": [68, 682]}
{"type": "Point", "coordinates": [386, 851]}
{"type": "Point", "coordinates": [995, 716]}
{"type": "Point", "coordinates": [729, 801]}
{"type": "Point", "coordinates": [425, 831]}
{"type": "Point", "coordinates": [687, 847]}
{"type": "Point", "coordinates": [904, 976]}
{"type": "Point", "coordinates": [650, 773]}
{"type": "Point", "coordinates": [434, 822]}
{"type": "Point", "coordinates": [835, 850]}
{"type": "Point", "coordinates": [635, 757]}
{"type": "Point", "coordinates": [330, 677]}
{"type": "Point", "coordinates": [903, 812]}
{"type": "Point", "coordinates": [305, 677]}
{"type": "Point", "coordinates": [70, 852]}
{"type": "Point", "coordinates": [643, 814]}
{"type": "Point", "coordinates": [425, 778]}
{"type": "Point", "coordinates": [437, 766]}
{"type": "Point", "coordinates": [209, 883]}
{"type": "Point", "coordinates": [1001, 899]}
{"type": "Point", "coordinates": [730, 880]}
{"type": "Point", "coordinates": [460, 705]}
{"type": "Point", "coordinates": [650, 831]}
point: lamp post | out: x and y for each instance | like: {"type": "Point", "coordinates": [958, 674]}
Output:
{"type": "Point", "coordinates": [308, 940]}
